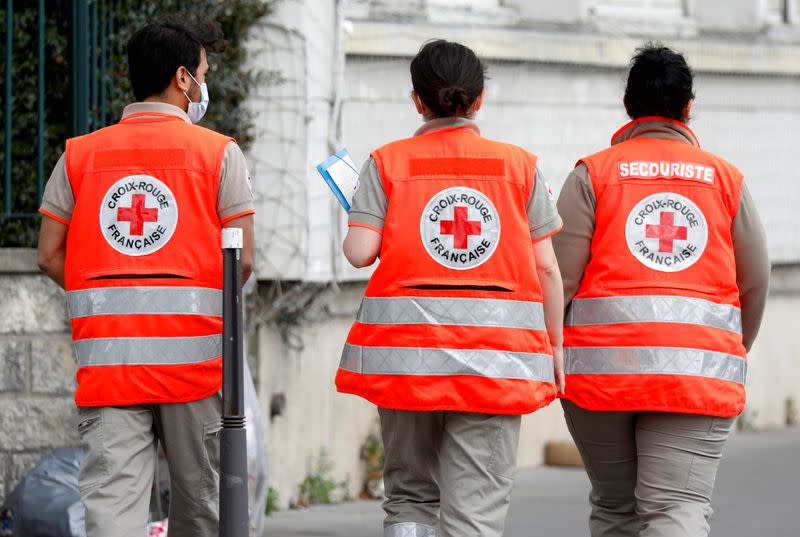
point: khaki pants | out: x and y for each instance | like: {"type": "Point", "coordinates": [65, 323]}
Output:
{"type": "Point", "coordinates": [652, 473]}
{"type": "Point", "coordinates": [448, 474]}
{"type": "Point", "coordinates": [116, 476]}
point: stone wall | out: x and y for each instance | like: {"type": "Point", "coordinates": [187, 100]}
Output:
{"type": "Point", "coordinates": [37, 368]}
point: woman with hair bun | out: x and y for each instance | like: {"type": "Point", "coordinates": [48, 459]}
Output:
{"type": "Point", "coordinates": [665, 271]}
{"type": "Point", "coordinates": [459, 331]}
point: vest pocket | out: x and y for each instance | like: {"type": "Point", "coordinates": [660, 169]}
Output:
{"type": "Point", "coordinates": [452, 284]}
{"type": "Point", "coordinates": [209, 479]}
{"type": "Point", "coordinates": [140, 273]}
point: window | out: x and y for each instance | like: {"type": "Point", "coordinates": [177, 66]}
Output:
{"type": "Point", "coordinates": [622, 8]}
{"type": "Point", "coordinates": [779, 11]}
{"type": "Point", "coordinates": [364, 9]}
{"type": "Point", "coordinates": [465, 3]}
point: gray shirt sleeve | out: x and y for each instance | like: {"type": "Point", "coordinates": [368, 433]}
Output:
{"type": "Point", "coordinates": [543, 217]}
{"type": "Point", "coordinates": [752, 265]}
{"type": "Point", "coordinates": [369, 202]}
{"type": "Point", "coordinates": [58, 199]}
{"type": "Point", "coordinates": [235, 194]}
{"type": "Point", "coordinates": [573, 244]}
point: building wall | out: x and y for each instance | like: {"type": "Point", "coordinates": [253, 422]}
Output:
{"type": "Point", "coordinates": [557, 73]}
{"type": "Point", "coordinates": [37, 368]}
{"type": "Point", "coordinates": [295, 130]}
{"type": "Point", "coordinates": [299, 362]}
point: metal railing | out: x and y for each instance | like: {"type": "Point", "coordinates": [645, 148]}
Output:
{"type": "Point", "coordinates": [89, 25]}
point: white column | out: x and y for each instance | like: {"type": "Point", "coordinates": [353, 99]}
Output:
{"type": "Point", "coordinates": [294, 215]}
{"type": "Point", "coordinates": [562, 11]}
{"type": "Point", "coordinates": [744, 16]}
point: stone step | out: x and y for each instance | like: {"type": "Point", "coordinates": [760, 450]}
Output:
{"type": "Point", "coordinates": [562, 453]}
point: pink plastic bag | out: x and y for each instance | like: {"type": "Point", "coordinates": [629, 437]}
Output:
{"type": "Point", "coordinates": [157, 529]}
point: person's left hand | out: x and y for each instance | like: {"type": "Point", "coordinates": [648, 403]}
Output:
{"type": "Point", "coordinates": [558, 368]}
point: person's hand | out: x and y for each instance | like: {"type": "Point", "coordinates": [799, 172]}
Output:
{"type": "Point", "coordinates": [558, 368]}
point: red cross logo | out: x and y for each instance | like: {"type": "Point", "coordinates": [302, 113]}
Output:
{"type": "Point", "coordinates": [667, 232]}
{"type": "Point", "coordinates": [461, 227]}
{"type": "Point", "coordinates": [137, 214]}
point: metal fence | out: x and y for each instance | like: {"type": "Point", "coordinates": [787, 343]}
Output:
{"type": "Point", "coordinates": [89, 23]}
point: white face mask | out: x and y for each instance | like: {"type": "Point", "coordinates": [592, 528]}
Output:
{"type": "Point", "coordinates": [197, 109]}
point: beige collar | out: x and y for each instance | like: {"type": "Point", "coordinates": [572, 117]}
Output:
{"type": "Point", "coordinates": [442, 123]}
{"type": "Point", "coordinates": [157, 109]}
{"type": "Point", "coordinates": [655, 127]}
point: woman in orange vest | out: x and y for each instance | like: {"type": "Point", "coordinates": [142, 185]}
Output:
{"type": "Point", "coordinates": [460, 321]}
{"type": "Point", "coordinates": [665, 274]}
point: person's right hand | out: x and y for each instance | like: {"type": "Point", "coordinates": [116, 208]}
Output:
{"type": "Point", "coordinates": [558, 368]}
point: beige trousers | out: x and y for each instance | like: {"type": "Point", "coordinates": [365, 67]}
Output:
{"type": "Point", "coordinates": [116, 476]}
{"type": "Point", "coordinates": [652, 473]}
{"type": "Point", "coordinates": [448, 474]}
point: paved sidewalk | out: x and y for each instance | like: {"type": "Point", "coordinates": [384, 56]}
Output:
{"type": "Point", "coordinates": [757, 494]}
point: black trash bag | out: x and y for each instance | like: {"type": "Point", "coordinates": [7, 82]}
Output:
{"type": "Point", "coordinates": [47, 503]}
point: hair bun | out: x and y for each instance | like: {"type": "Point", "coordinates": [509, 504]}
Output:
{"type": "Point", "coordinates": [454, 99]}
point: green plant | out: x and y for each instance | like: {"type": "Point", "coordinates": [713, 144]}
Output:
{"type": "Point", "coordinates": [746, 420]}
{"type": "Point", "coordinates": [373, 456]}
{"type": "Point", "coordinates": [230, 81]}
{"type": "Point", "coordinates": [319, 487]}
{"type": "Point", "coordinates": [16, 231]}
{"type": "Point", "coordinates": [273, 502]}
{"type": "Point", "coordinates": [791, 412]}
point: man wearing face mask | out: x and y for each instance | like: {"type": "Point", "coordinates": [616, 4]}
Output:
{"type": "Point", "coordinates": [131, 230]}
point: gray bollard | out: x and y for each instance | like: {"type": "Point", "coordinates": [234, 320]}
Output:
{"type": "Point", "coordinates": [233, 509]}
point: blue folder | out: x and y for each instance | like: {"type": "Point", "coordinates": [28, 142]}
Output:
{"type": "Point", "coordinates": [341, 174]}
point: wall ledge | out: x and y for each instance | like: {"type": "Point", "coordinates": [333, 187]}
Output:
{"type": "Point", "coordinates": [18, 261]}
{"type": "Point", "coordinates": [746, 55]}
{"type": "Point", "coordinates": [785, 279]}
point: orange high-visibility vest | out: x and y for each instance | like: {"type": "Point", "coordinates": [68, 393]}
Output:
{"type": "Point", "coordinates": [144, 262]}
{"type": "Point", "coordinates": [452, 318]}
{"type": "Point", "coordinates": [656, 322]}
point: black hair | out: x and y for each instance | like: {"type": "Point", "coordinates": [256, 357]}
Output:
{"type": "Point", "coordinates": [660, 83]}
{"type": "Point", "coordinates": [159, 48]}
{"type": "Point", "coordinates": [448, 77]}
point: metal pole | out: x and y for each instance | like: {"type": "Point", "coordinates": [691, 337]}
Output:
{"type": "Point", "coordinates": [9, 103]}
{"type": "Point", "coordinates": [233, 508]}
{"type": "Point", "coordinates": [79, 68]}
{"type": "Point", "coordinates": [40, 109]}
{"type": "Point", "coordinates": [112, 31]}
{"type": "Point", "coordinates": [103, 67]}
{"type": "Point", "coordinates": [93, 75]}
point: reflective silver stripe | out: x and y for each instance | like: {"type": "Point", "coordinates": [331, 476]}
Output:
{"type": "Point", "coordinates": [452, 311]}
{"type": "Point", "coordinates": [144, 300]}
{"type": "Point", "coordinates": [654, 309]}
{"type": "Point", "coordinates": [148, 351]}
{"type": "Point", "coordinates": [654, 360]}
{"type": "Point", "coordinates": [430, 361]}
{"type": "Point", "coordinates": [409, 529]}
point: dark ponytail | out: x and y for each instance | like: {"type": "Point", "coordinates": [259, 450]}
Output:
{"type": "Point", "coordinates": [448, 77]}
{"type": "Point", "coordinates": [660, 83]}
